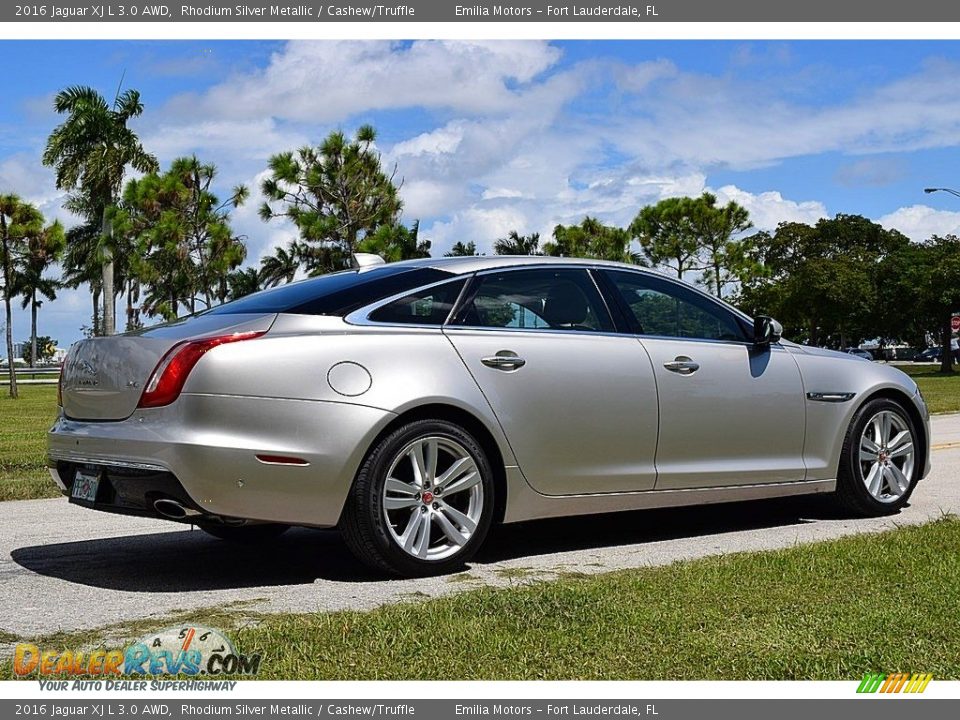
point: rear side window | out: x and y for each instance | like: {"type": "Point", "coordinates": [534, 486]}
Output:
{"type": "Point", "coordinates": [336, 293]}
{"type": "Point", "coordinates": [540, 299]}
{"type": "Point", "coordinates": [425, 307]}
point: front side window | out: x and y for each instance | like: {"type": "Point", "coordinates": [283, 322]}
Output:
{"type": "Point", "coordinates": [424, 307]}
{"type": "Point", "coordinates": [541, 299]}
{"type": "Point", "coordinates": [667, 309]}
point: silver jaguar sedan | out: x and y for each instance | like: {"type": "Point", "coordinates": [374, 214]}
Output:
{"type": "Point", "coordinates": [414, 404]}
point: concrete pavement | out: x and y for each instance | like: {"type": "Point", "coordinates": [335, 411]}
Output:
{"type": "Point", "coordinates": [66, 568]}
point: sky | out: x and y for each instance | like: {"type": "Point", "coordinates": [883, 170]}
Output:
{"type": "Point", "coordinates": [496, 136]}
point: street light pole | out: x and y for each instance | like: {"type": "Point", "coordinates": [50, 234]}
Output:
{"type": "Point", "coordinates": [946, 190]}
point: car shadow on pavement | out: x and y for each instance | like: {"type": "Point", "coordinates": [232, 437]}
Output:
{"type": "Point", "coordinates": [544, 537]}
{"type": "Point", "coordinates": [191, 560]}
{"type": "Point", "coordinates": [182, 560]}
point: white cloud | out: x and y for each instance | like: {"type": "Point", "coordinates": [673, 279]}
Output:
{"type": "Point", "coordinates": [720, 120]}
{"type": "Point", "coordinates": [769, 209]}
{"type": "Point", "coordinates": [479, 225]}
{"type": "Point", "coordinates": [426, 198]}
{"type": "Point", "coordinates": [327, 81]}
{"type": "Point", "coordinates": [442, 141]}
{"type": "Point", "coordinates": [637, 78]}
{"type": "Point", "coordinates": [920, 222]}
{"type": "Point", "coordinates": [498, 193]}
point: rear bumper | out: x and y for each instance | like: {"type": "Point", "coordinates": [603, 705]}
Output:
{"type": "Point", "coordinates": [129, 490]}
{"type": "Point", "coordinates": [207, 446]}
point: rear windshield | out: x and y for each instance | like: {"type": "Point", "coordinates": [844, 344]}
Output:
{"type": "Point", "coordinates": [336, 293]}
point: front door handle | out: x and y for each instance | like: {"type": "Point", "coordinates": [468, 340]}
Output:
{"type": "Point", "coordinates": [504, 360]}
{"type": "Point", "coordinates": [682, 365]}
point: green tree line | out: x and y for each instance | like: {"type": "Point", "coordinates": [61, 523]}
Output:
{"type": "Point", "coordinates": [164, 242]}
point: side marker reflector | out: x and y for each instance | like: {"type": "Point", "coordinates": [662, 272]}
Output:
{"type": "Point", "coordinates": [281, 460]}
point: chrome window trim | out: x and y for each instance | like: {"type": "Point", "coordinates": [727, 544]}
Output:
{"type": "Point", "coordinates": [538, 331]}
{"type": "Point", "coordinates": [474, 280]}
{"type": "Point", "coordinates": [640, 271]}
{"type": "Point", "coordinates": [711, 341]}
{"type": "Point", "coordinates": [724, 307]}
{"type": "Point", "coordinates": [361, 316]}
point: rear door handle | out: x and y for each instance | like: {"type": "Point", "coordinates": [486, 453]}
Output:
{"type": "Point", "coordinates": [682, 365]}
{"type": "Point", "coordinates": [504, 360]}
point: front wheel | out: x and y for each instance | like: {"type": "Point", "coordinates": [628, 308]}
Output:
{"type": "Point", "coordinates": [879, 462]}
{"type": "Point", "coordinates": [422, 501]}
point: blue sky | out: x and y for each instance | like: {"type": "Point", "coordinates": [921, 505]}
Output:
{"type": "Point", "coordinates": [495, 136]}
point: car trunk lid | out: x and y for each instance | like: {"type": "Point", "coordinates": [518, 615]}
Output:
{"type": "Point", "coordinates": [103, 378]}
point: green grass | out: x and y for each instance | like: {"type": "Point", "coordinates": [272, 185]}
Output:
{"type": "Point", "coordinates": [833, 610]}
{"type": "Point", "coordinates": [23, 440]}
{"type": "Point", "coordinates": [942, 392]}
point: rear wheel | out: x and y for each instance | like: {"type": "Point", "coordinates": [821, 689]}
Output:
{"type": "Point", "coordinates": [879, 463]}
{"type": "Point", "coordinates": [246, 534]}
{"type": "Point", "coordinates": [422, 502]}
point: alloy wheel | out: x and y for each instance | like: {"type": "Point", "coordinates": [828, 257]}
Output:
{"type": "Point", "coordinates": [433, 497]}
{"type": "Point", "coordinates": [887, 452]}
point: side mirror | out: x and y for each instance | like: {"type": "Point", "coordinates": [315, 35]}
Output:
{"type": "Point", "coordinates": [766, 330]}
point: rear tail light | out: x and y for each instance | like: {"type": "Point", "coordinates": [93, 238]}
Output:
{"type": "Point", "coordinates": [171, 373]}
{"type": "Point", "coordinates": [60, 384]}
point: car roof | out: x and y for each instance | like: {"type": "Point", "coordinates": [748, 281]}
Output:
{"type": "Point", "coordinates": [477, 263]}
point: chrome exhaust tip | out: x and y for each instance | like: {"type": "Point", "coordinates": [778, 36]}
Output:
{"type": "Point", "coordinates": [174, 510]}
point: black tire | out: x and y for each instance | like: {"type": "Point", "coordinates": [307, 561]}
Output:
{"type": "Point", "coordinates": [365, 527]}
{"type": "Point", "coordinates": [246, 534]}
{"type": "Point", "coordinates": [852, 493]}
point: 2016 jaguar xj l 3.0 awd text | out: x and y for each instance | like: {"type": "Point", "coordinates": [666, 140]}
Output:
{"type": "Point", "coordinates": [413, 404]}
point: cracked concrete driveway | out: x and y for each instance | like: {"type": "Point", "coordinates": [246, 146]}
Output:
{"type": "Point", "coordinates": [65, 568]}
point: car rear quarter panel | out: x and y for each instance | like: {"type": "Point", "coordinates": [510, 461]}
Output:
{"type": "Point", "coordinates": [300, 357]}
{"type": "Point", "coordinates": [211, 442]}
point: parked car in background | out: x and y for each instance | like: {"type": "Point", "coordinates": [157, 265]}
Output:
{"type": "Point", "coordinates": [857, 352]}
{"type": "Point", "coordinates": [414, 404]}
{"type": "Point", "coordinates": [929, 355]}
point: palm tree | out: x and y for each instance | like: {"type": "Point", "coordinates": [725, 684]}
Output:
{"type": "Point", "coordinates": [281, 266]}
{"type": "Point", "coordinates": [462, 249]}
{"type": "Point", "coordinates": [18, 221]}
{"type": "Point", "coordinates": [516, 244]}
{"type": "Point", "coordinates": [82, 264]}
{"type": "Point", "coordinates": [244, 281]}
{"type": "Point", "coordinates": [43, 249]}
{"type": "Point", "coordinates": [91, 151]}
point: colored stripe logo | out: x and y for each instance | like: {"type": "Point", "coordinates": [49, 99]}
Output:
{"type": "Point", "coordinates": [894, 683]}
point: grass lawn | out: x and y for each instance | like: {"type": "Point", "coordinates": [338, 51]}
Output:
{"type": "Point", "coordinates": [942, 392]}
{"type": "Point", "coordinates": [828, 611]}
{"type": "Point", "coordinates": [23, 442]}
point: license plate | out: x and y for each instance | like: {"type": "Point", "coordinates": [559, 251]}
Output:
{"type": "Point", "coordinates": [85, 484]}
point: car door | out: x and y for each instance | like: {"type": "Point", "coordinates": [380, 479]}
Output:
{"type": "Point", "coordinates": [731, 412]}
{"type": "Point", "coordinates": [576, 401]}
